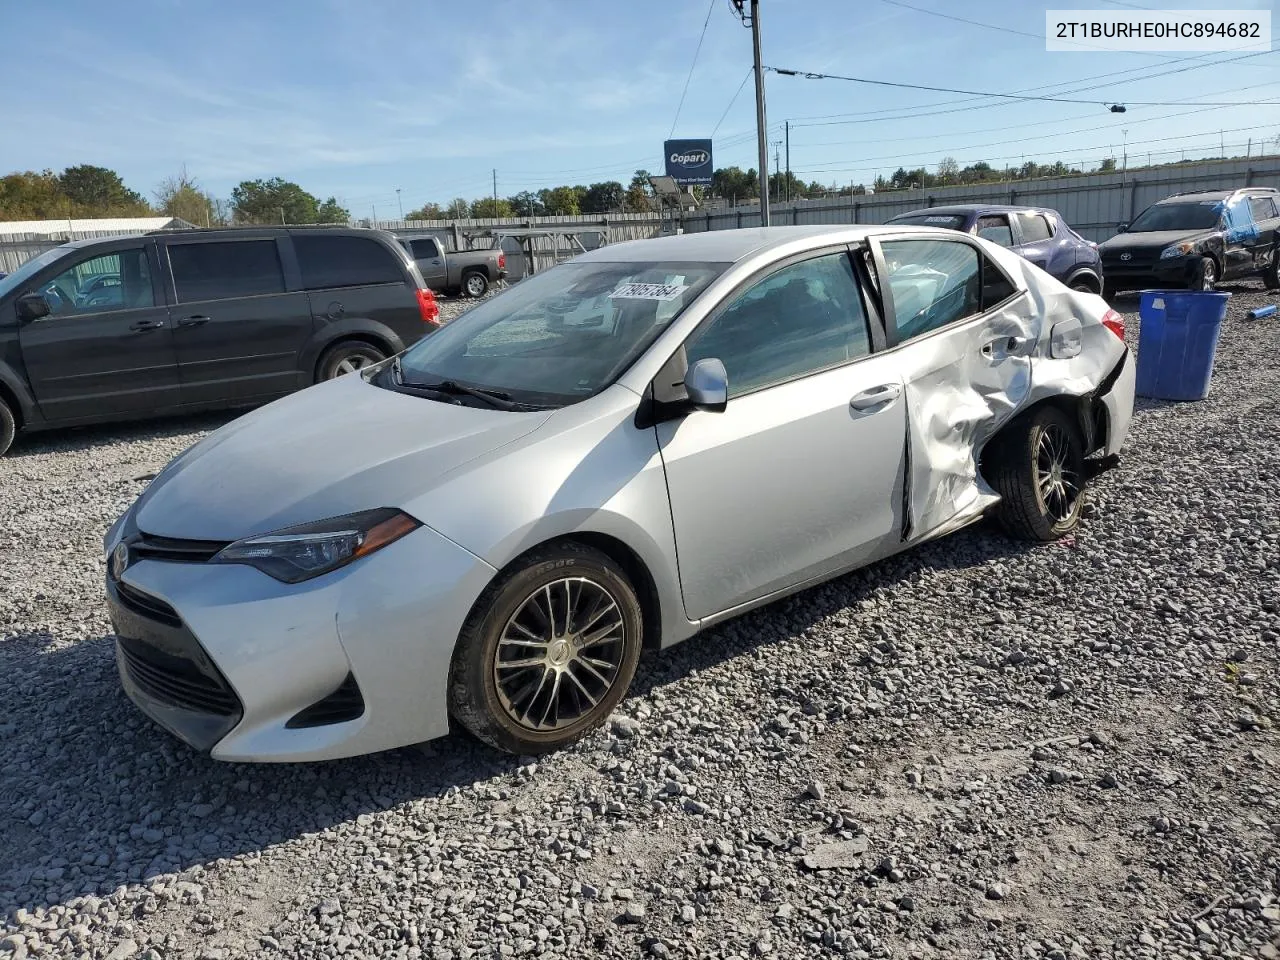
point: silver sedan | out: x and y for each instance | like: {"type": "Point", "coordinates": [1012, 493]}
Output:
{"type": "Point", "coordinates": [611, 455]}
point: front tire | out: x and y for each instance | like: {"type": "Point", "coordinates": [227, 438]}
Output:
{"type": "Point", "coordinates": [1271, 275]}
{"type": "Point", "coordinates": [347, 357]}
{"type": "Point", "coordinates": [548, 651]}
{"type": "Point", "coordinates": [475, 284]}
{"type": "Point", "coordinates": [1038, 469]}
{"type": "Point", "coordinates": [1204, 276]}
{"type": "Point", "coordinates": [8, 428]}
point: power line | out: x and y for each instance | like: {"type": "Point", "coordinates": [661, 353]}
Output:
{"type": "Point", "coordinates": [807, 75]}
{"type": "Point", "coordinates": [711, 6]}
{"type": "Point", "coordinates": [734, 99]}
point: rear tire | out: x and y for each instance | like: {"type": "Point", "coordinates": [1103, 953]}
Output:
{"type": "Point", "coordinates": [548, 651]}
{"type": "Point", "coordinates": [475, 284]}
{"type": "Point", "coordinates": [8, 428]}
{"type": "Point", "coordinates": [1039, 471]}
{"type": "Point", "coordinates": [347, 357]}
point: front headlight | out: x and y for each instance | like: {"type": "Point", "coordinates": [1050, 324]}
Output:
{"type": "Point", "coordinates": [1177, 250]}
{"type": "Point", "coordinates": [310, 549]}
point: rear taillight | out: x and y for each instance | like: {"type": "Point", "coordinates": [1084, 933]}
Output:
{"type": "Point", "coordinates": [1114, 322]}
{"type": "Point", "coordinates": [502, 261]}
{"type": "Point", "coordinates": [428, 307]}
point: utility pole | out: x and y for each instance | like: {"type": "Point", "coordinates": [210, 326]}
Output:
{"type": "Point", "coordinates": [1124, 163]}
{"type": "Point", "coordinates": [400, 203]}
{"type": "Point", "coordinates": [761, 123]}
{"type": "Point", "coordinates": [1222, 146]}
{"type": "Point", "coordinates": [787, 181]}
{"type": "Point", "coordinates": [495, 191]}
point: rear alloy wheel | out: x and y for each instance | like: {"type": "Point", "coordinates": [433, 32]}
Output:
{"type": "Point", "coordinates": [8, 427]}
{"type": "Point", "coordinates": [548, 652]}
{"type": "Point", "coordinates": [475, 284]}
{"type": "Point", "coordinates": [1205, 274]}
{"type": "Point", "coordinates": [1039, 472]}
{"type": "Point", "coordinates": [348, 358]}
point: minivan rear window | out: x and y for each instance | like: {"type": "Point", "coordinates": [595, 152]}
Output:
{"type": "Point", "coordinates": [329, 261]}
{"type": "Point", "coordinates": [225, 269]}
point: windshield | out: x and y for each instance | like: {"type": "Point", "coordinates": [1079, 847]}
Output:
{"type": "Point", "coordinates": [32, 266]}
{"type": "Point", "coordinates": [948, 221]}
{"type": "Point", "coordinates": [560, 336]}
{"type": "Point", "coordinates": [1205, 215]}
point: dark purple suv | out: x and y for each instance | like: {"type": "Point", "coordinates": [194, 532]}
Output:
{"type": "Point", "coordinates": [1034, 233]}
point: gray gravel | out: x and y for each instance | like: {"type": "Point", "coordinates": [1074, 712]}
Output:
{"type": "Point", "coordinates": [979, 749]}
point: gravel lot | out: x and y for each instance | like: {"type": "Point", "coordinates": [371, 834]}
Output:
{"type": "Point", "coordinates": [978, 749]}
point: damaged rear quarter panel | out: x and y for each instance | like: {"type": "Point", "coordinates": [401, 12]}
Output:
{"type": "Point", "coordinates": [963, 384]}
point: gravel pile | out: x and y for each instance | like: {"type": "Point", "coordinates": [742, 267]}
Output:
{"type": "Point", "coordinates": [979, 749]}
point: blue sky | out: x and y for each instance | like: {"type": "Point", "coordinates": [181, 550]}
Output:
{"type": "Point", "coordinates": [357, 98]}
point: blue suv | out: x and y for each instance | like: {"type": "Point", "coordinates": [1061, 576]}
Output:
{"type": "Point", "coordinates": [1034, 233]}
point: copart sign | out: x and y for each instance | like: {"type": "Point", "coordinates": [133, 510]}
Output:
{"type": "Point", "coordinates": [689, 161]}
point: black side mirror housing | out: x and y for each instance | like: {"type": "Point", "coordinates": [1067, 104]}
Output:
{"type": "Point", "coordinates": [1121, 227]}
{"type": "Point", "coordinates": [32, 307]}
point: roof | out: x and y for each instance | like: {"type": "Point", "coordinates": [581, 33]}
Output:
{"type": "Point", "coordinates": [1203, 195]}
{"type": "Point", "coordinates": [726, 246]}
{"type": "Point", "coordinates": [103, 224]}
{"type": "Point", "coordinates": [965, 208]}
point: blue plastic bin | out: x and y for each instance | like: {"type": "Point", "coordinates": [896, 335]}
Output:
{"type": "Point", "coordinates": [1177, 339]}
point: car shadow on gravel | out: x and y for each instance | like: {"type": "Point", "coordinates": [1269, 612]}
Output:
{"type": "Point", "coordinates": [77, 439]}
{"type": "Point", "coordinates": [94, 795]}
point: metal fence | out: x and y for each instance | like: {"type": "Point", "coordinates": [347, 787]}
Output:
{"type": "Point", "coordinates": [1093, 204]}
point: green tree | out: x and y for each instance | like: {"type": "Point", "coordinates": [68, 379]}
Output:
{"type": "Point", "coordinates": [1108, 165]}
{"type": "Point", "coordinates": [948, 171]}
{"type": "Point", "coordinates": [180, 196]}
{"type": "Point", "coordinates": [734, 183]}
{"type": "Point", "coordinates": [489, 207]}
{"type": "Point", "coordinates": [332, 212]}
{"type": "Point", "coordinates": [458, 209]}
{"type": "Point", "coordinates": [274, 201]}
{"type": "Point", "coordinates": [97, 191]}
{"type": "Point", "coordinates": [607, 197]}
{"type": "Point", "coordinates": [428, 211]}
{"type": "Point", "coordinates": [640, 193]}
{"type": "Point", "coordinates": [34, 196]}
{"type": "Point", "coordinates": [526, 204]}
{"type": "Point", "coordinates": [560, 202]}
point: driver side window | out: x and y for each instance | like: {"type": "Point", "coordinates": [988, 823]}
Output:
{"type": "Point", "coordinates": [803, 319]}
{"type": "Point", "coordinates": [120, 280]}
{"type": "Point", "coordinates": [934, 283]}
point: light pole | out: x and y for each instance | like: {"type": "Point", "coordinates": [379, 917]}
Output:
{"type": "Point", "coordinates": [1124, 162]}
{"type": "Point", "coordinates": [400, 203]}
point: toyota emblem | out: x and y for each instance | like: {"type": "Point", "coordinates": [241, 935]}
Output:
{"type": "Point", "coordinates": [119, 560]}
{"type": "Point", "coordinates": [1126, 256]}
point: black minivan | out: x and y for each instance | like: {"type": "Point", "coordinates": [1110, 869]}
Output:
{"type": "Point", "coordinates": [179, 321]}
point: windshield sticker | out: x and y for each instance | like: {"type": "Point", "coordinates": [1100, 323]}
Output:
{"type": "Point", "coordinates": [648, 291]}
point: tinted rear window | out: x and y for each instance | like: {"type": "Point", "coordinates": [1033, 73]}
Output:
{"type": "Point", "coordinates": [425, 249]}
{"type": "Point", "coordinates": [345, 262]}
{"type": "Point", "coordinates": [225, 269]}
{"type": "Point", "coordinates": [1034, 227]}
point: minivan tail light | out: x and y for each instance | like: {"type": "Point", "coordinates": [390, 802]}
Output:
{"type": "Point", "coordinates": [1114, 322]}
{"type": "Point", "coordinates": [428, 307]}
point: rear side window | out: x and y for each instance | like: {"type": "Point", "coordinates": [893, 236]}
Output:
{"type": "Point", "coordinates": [1262, 208]}
{"type": "Point", "coordinates": [1034, 227]}
{"type": "Point", "coordinates": [995, 227]}
{"type": "Point", "coordinates": [225, 269]}
{"type": "Point", "coordinates": [345, 262]}
{"type": "Point", "coordinates": [425, 249]}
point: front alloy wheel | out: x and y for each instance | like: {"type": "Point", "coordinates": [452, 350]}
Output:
{"type": "Point", "coordinates": [548, 651]}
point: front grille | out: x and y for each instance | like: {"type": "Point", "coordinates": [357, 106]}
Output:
{"type": "Point", "coordinates": [145, 605]}
{"type": "Point", "coordinates": [1139, 260]}
{"type": "Point", "coordinates": [345, 703]}
{"type": "Point", "coordinates": [148, 547]}
{"type": "Point", "coordinates": [176, 680]}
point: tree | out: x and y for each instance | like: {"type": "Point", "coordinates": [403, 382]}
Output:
{"type": "Point", "coordinates": [332, 212]}
{"type": "Point", "coordinates": [428, 211]}
{"type": "Point", "coordinates": [34, 196]}
{"type": "Point", "coordinates": [526, 204]}
{"type": "Point", "coordinates": [640, 193]}
{"type": "Point", "coordinates": [180, 196]}
{"type": "Point", "coordinates": [607, 197]}
{"type": "Point", "coordinates": [1108, 165]}
{"type": "Point", "coordinates": [948, 170]}
{"type": "Point", "coordinates": [560, 202]}
{"type": "Point", "coordinates": [99, 191]}
{"type": "Point", "coordinates": [489, 207]}
{"type": "Point", "coordinates": [734, 183]}
{"type": "Point", "coordinates": [274, 201]}
{"type": "Point", "coordinates": [458, 209]}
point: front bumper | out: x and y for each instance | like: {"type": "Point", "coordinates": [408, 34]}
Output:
{"type": "Point", "coordinates": [1136, 274]}
{"type": "Point", "coordinates": [228, 659]}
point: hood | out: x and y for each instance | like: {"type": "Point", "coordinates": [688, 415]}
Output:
{"type": "Point", "coordinates": [332, 449]}
{"type": "Point", "coordinates": [1156, 238]}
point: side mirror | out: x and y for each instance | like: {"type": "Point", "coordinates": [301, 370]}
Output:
{"type": "Point", "coordinates": [707, 385]}
{"type": "Point", "coordinates": [32, 307]}
{"type": "Point", "coordinates": [1121, 227]}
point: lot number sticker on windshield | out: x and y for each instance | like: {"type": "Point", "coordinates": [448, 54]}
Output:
{"type": "Point", "coordinates": [648, 291]}
{"type": "Point", "coordinates": [937, 219]}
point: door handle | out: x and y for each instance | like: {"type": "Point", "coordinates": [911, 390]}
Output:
{"type": "Point", "coordinates": [146, 325]}
{"type": "Point", "coordinates": [193, 321]}
{"type": "Point", "coordinates": [876, 396]}
{"type": "Point", "coordinates": [1003, 346]}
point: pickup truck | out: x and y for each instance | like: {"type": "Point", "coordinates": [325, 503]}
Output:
{"type": "Point", "coordinates": [466, 272]}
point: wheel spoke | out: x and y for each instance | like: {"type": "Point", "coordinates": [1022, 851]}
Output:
{"type": "Point", "coordinates": [599, 635]}
{"type": "Point", "coordinates": [594, 672]}
{"type": "Point", "coordinates": [552, 700]}
{"type": "Point", "coordinates": [521, 664]}
{"type": "Point", "coordinates": [542, 682]}
{"type": "Point", "coordinates": [597, 615]}
{"type": "Point", "coordinates": [578, 683]}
